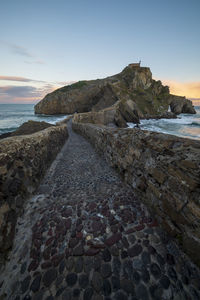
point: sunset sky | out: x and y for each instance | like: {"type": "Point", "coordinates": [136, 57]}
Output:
{"type": "Point", "coordinates": [48, 43]}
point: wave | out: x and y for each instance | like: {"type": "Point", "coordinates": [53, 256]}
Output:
{"type": "Point", "coordinates": [9, 129]}
{"type": "Point", "coordinates": [195, 124]}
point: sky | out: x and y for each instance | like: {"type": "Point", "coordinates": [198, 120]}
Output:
{"type": "Point", "coordinates": [49, 43]}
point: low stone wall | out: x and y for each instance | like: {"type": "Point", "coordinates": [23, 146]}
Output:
{"type": "Point", "coordinates": [164, 171]}
{"type": "Point", "coordinates": [23, 162]}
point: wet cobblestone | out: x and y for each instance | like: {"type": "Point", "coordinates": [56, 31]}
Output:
{"type": "Point", "coordinates": [85, 235]}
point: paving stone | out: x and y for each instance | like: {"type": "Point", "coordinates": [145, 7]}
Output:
{"type": "Point", "coordinates": [88, 264]}
{"type": "Point", "coordinates": [160, 260]}
{"type": "Point", "coordinates": [50, 298]}
{"type": "Point", "coordinates": [106, 270]}
{"type": "Point", "coordinates": [127, 286]}
{"type": "Point", "coordinates": [132, 239]}
{"type": "Point", "coordinates": [146, 258]}
{"type": "Point", "coordinates": [114, 251]}
{"type": "Point", "coordinates": [165, 282]}
{"type": "Point", "coordinates": [155, 270]}
{"type": "Point", "coordinates": [25, 284]}
{"type": "Point", "coordinates": [38, 295]}
{"type": "Point", "coordinates": [115, 283]}
{"type": "Point", "coordinates": [127, 269]}
{"type": "Point", "coordinates": [23, 267]}
{"type": "Point", "coordinates": [67, 295]}
{"type": "Point", "coordinates": [87, 294]}
{"type": "Point", "coordinates": [145, 275]}
{"type": "Point", "coordinates": [141, 292]}
{"type": "Point", "coordinates": [156, 292]}
{"type": "Point", "coordinates": [97, 281]}
{"type": "Point", "coordinates": [49, 276]}
{"type": "Point", "coordinates": [135, 277]}
{"type": "Point", "coordinates": [27, 297]}
{"type": "Point", "coordinates": [116, 266]}
{"type": "Point", "coordinates": [120, 296]}
{"type": "Point", "coordinates": [106, 255]}
{"type": "Point", "coordinates": [76, 293]}
{"type": "Point", "coordinates": [83, 281]}
{"type": "Point", "coordinates": [138, 264]}
{"type": "Point", "coordinates": [60, 291]}
{"type": "Point", "coordinates": [124, 254]}
{"type": "Point", "coordinates": [97, 262]}
{"type": "Point", "coordinates": [59, 280]}
{"type": "Point", "coordinates": [106, 287]}
{"type": "Point", "coordinates": [172, 273]}
{"type": "Point", "coordinates": [113, 239]}
{"type": "Point", "coordinates": [135, 250]}
{"type": "Point", "coordinates": [78, 251]}
{"type": "Point", "coordinates": [73, 242]}
{"type": "Point", "coordinates": [71, 279]}
{"type": "Point", "coordinates": [78, 265]}
{"type": "Point", "coordinates": [70, 263]}
{"type": "Point", "coordinates": [62, 266]}
{"type": "Point", "coordinates": [35, 285]}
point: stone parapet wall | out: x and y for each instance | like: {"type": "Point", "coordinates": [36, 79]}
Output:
{"type": "Point", "coordinates": [164, 171]}
{"type": "Point", "coordinates": [23, 162]}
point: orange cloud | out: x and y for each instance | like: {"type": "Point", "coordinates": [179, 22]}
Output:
{"type": "Point", "coordinates": [187, 89]}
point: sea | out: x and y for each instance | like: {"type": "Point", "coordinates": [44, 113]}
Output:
{"type": "Point", "coordinates": [186, 125]}
{"type": "Point", "coordinates": [14, 115]}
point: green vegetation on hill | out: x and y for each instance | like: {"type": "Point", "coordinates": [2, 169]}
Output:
{"type": "Point", "coordinates": [76, 85]}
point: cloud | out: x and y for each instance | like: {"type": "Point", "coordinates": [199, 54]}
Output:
{"type": "Point", "coordinates": [15, 78]}
{"type": "Point", "coordinates": [22, 51]}
{"type": "Point", "coordinates": [188, 89]}
{"type": "Point", "coordinates": [24, 94]}
{"type": "Point", "coordinates": [19, 91]}
{"type": "Point", "coordinates": [20, 79]}
{"type": "Point", "coordinates": [32, 92]}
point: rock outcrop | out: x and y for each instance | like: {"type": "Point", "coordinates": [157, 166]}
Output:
{"type": "Point", "coordinates": [27, 128]}
{"type": "Point", "coordinates": [23, 161]}
{"type": "Point", "coordinates": [133, 94]}
{"type": "Point", "coordinates": [164, 172]}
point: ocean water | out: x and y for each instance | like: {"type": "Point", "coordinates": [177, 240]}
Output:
{"type": "Point", "coordinates": [186, 125]}
{"type": "Point", "coordinates": [14, 115]}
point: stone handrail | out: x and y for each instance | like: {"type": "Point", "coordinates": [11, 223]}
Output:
{"type": "Point", "coordinates": [23, 162]}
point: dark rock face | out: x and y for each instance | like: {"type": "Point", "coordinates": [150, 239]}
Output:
{"type": "Point", "coordinates": [132, 94]}
{"type": "Point", "coordinates": [180, 105]}
{"type": "Point", "coordinates": [27, 128]}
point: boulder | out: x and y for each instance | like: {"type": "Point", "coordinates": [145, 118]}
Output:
{"type": "Point", "coordinates": [27, 128]}
{"type": "Point", "coordinates": [180, 105]}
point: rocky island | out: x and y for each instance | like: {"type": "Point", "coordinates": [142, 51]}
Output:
{"type": "Point", "coordinates": [120, 225]}
{"type": "Point", "coordinates": [125, 97]}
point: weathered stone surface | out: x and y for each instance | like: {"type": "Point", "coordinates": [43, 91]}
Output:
{"type": "Point", "coordinates": [49, 276]}
{"type": "Point", "coordinates": [71, 279]}
{"type": "Point", "coordinates": [97, 281]}
{"type": "Point", "coordinates": [163, 180]}
{"type": "Point", "coordinates": [23, 162]}
{"type": "Point", "coordinates": [83, 280]}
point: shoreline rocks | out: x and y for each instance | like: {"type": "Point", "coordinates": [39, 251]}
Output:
{"type": "Point", "coordinates": [27, 128]}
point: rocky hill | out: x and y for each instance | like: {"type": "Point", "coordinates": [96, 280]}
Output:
{"type": "Point", "coordinates": [131, 94]}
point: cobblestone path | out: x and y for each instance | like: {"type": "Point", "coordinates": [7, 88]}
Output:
{"type": "Point", "coordinates": [84, 235]}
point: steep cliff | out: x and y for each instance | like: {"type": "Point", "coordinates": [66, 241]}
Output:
{"type": "Point", "coordinates": [132, 93]}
